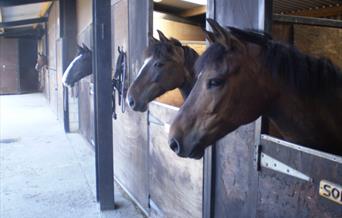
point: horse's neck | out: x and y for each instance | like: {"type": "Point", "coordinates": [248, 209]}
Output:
{"type": "Point", "coordinates": [186, 88]}
{"type": "Point", "coordinates": [190, 79]}
{"type": "Point", "coordinates": [311, 121]}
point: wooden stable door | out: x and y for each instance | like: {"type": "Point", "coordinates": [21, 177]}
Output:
{"type": "Point", "coordinates": [9, 66]}
{"type": "Point", "coordinates": [176, 184]}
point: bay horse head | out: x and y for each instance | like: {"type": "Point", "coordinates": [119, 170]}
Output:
{"type": "Point", "coordinates": [168, 65]}
{"type": "Point", "coordinates": [80, 67]}
{"type": "Point", "coordinates": [243, 75]}
{"type": "Point", "coordinates": [41, 62]}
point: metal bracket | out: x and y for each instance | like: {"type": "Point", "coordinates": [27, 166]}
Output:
{"type": "Point", "coordinates": [156, 121]}
{"type": "Point", "coordinates": [273, 164]}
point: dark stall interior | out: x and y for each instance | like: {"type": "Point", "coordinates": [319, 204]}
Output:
{"type": "Point", "coordinates": [313, 27]}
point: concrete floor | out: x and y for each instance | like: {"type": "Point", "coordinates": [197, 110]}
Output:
{"type": "Point", "coordinates": [43, 171]}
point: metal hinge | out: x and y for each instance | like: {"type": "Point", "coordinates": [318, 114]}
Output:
{"type": "Point", "coordinates": [269, 162]}
{"type": "Point", "coordinates": [156, 121]}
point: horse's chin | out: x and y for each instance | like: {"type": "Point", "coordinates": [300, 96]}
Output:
{"type": "Point", "coordinates": [69, 85]}
{"type": "Point", "coordinates": [140, 108]}
{"type": "Point", "coordinates": [196, 153]}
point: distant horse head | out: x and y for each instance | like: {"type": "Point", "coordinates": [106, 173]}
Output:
{"type": "Point", "coordinates": [168, 65]}
{"type": "Point", "coordinates": [80, 67]}
{"type": "Point", "coordinates": [41, 62]}
{"type": "Point", "coordinates": [243, 75]}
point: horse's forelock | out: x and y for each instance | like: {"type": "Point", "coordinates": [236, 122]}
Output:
{"type": "Point", "coordinates": [160, 49]}
{"type": "Point", "coordinates": [212, 55]}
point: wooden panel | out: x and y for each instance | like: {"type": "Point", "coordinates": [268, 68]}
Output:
{"type": "Point", "coordinates": [86, 92]}
{"type": "Point", "coordinates": [319, 41]}
{"type": "Point", "coordinates": [176, 183]}
{"type": "Point", "coordinates": [9, 75]}
{"type": "Point", "coordinates": [130, 129]}
{"type": "Point", "coordinates": [53, 31]}
{"type": "Point", "coordinates": [280, 194]}
{"type": "Point", "coordinates": [59, 75]}
{"type": "Point", "coordinates": [233, 192]}
{"type": "Point", "coordinates": [282, 32]}
{"type": "Point", "coordinates": [179, 30]}
{"type": "Point", "coordinates": [53, 89]}
{"type": "Point", "coordinates": [84, 11]}
{"type": "Point", "coordinates": [235, 182]}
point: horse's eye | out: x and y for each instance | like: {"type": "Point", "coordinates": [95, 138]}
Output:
{"type": "Point", "coordinates": [215, 83]}
{"type": "Point", "coordinates": [158, 64]}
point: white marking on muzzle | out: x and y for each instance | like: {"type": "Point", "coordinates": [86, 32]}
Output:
{"type": "Point", "coordinates": [67, 71]}
{"type": "Point", "coordinates": [146, 61]}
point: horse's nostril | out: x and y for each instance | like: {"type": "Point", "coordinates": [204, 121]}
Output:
{"type": "Point", "coordinates": [131, 101]}
{"type": "Point", "coordinates": [174, 145]}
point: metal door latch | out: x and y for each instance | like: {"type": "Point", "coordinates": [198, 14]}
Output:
{"type": "Point", "coordinates": [273, 164]}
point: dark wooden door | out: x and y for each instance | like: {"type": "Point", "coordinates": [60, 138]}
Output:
{"type": "Point", "coordinates": [27, 60]}
{"type": "Point", "coordinates": [9, 66]}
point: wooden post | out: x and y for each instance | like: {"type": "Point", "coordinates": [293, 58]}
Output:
{"type": "Point", "coordinates": [102, 69]}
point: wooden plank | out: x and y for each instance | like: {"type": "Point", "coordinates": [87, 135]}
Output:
{"type": "Point", "coordinates": [53, 32]}
{"type": "Point", "coordinates": [23, 22]}
{"type": "Point", "coordinates": [320, 12]}
{"type": "Point", "coordinates": [176, 184]}
{"type": "Point", "coordinates": [194, 11]}
{"type": "Point", "coordinates": [102, 69]}
{"type": "Point", "coordinates": [86, 97]}
{"type": "Point", "coordinates": [84, 14]}
{"type": "Point", "coordinates": [175, 28]}
{"type": "Point", "coordinates": [282, 32]}
{"type": "Point", "coordinates": [307, 20]}
{"type": "Point", "coordinates": [6, 3]}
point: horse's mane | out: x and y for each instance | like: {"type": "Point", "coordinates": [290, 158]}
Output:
{"type": "Point", "coordinates": [190, 56]}
{"type": "Point", "coordinates": [305, 73]}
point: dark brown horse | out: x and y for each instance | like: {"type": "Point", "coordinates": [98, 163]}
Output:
{"type": "Point", "coordinates": [168, 65]}
{"type": "Point", "coordinates": [244, 75]}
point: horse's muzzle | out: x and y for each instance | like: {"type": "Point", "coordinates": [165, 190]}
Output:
{"type": "Point", "coordinates": [175, 146]}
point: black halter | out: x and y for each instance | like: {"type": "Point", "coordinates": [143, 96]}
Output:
{"type": "Point", "coordinates": [119, 80]}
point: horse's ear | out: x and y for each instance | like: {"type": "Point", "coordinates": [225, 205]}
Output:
{"type": "Point", "coordinates": [223, 36]}
{"type": "Point", "coordinates": [162, 37]}
{"type": "Point", "coordinates": [85, 48]}
{"type": "Point", "coordinates": [209, 36]}
{"type": "Point", "coordinates": [151, 39]}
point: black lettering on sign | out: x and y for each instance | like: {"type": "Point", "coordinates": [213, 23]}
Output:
{"type": "Point", "coordinates": [331, 191]}
{"type": "Point", "coordinates": [327, 189]}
